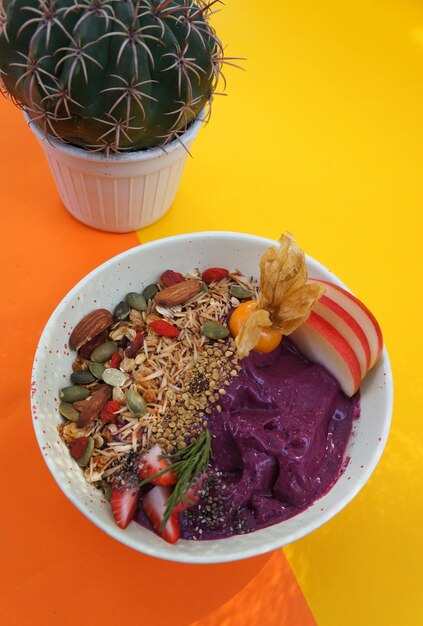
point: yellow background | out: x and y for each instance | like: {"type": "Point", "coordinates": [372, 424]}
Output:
{"type": "Point", "coordinates": [322, 135]}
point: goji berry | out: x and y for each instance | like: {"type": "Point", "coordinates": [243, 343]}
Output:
{"type": "Point", "coordinates": [134, 347]}
{"type": "Point", "coordinates": [164, 328]}
{"type": "Point", "coordinates": [214, 274]}
{"type": "Point", "coordinates": [78, 447]}
{"type": "Point", "coordinates": [108, 412]}
{"type": "Point", "coordinates": [115, 360]}
{"type": "Point", "coordinates": [169, 277]}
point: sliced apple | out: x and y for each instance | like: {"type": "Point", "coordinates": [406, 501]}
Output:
{"type": "Point", "coordinates": [360, 313]}
{"type": "Point", "coordinates": [319, 341]}
{"type": "Point", "coordinates": [348, 327]}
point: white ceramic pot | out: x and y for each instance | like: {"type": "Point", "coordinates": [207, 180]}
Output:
{"type": "Point", "coordinates": [119, 193]}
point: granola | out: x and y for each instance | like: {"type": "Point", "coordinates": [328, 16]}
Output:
{"type": "Point", "coordinates": [177, 378]}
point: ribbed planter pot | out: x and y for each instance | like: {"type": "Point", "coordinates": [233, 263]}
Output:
{"type": "Point", "coordinates": [119, 193]}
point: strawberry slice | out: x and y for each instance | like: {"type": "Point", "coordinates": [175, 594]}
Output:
{"type": "Point", "coordinates": [124, 504]}
{"type": "Point", "coordinates": [152, 463]}
{"type": "Point", "coordinates": [192, 495]}
{"type": "Point", "coordinates": [154, 504]}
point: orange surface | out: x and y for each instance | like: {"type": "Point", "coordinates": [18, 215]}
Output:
{"type": "Point", "coordinates": [56, 567]}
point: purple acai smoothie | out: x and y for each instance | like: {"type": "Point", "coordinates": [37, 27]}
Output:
{"type": "Point", "coordinates": [278, 445]}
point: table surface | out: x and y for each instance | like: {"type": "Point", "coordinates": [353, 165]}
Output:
{"type": "Point", "coordinates": [321, 136]}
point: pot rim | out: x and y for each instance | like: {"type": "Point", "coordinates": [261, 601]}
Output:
{"type": "Point", "coordinates": [145, 154]}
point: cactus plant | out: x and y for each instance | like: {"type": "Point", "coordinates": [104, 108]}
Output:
{"type": "Point", "coordinates": [110, 75]}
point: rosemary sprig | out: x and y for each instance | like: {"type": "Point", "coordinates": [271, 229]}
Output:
{"type": "Point", "coordinates": [187, 464]}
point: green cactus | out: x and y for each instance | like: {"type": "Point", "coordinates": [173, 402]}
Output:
{"type": "Point", "coordinates": [110, 75]}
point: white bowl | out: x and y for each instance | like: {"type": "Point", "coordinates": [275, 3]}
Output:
{"type": "Point", "coordinates": [104, 287]}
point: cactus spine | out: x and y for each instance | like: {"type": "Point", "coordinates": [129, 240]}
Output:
{"type": "Point", "coordinates": [110, 75]}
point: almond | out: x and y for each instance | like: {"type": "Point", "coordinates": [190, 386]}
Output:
{"type": "Point", "coordinates": [178, 293]}
{"type": "Point", "coordinates": [94, 405]}
{"type": "Point", "coordinates": [91, 325]}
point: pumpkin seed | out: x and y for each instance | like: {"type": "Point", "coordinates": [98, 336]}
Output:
{"type": "Point", "coordinates": [97, 370]}
{"type": "Point", "coordinates": [214, 330]}
{"type": "Point", "coordinates": [68, 411]}
{"type": "Point", "coordinates": [136, 301]}
{"type": "Point", "coordinates": [114, 377]}
{"type": "Point", "coordinates": [104, 352]}
{"type": "Point", "coordinates": [136, 403]}
{"type": "Point", "coordinates": [150, 291]}
{"type": "Point", "coordinates": [82, 378]}
{"type": "Point", "coordinates": [73, 393]}
{"type": "Point", "coordinates": [241, 293]}
{"type": "Point", "coordinates": [204, 287]}
{"type": "Point", "coordinates": [121, 310]}
{"type": "Point", "coordinates": [107, 491]}
{"type": "Point", "coordinates": [85, 458]}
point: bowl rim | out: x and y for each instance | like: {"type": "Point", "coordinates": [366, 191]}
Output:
{"type": "Point", "coordinates": [269, 545]}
